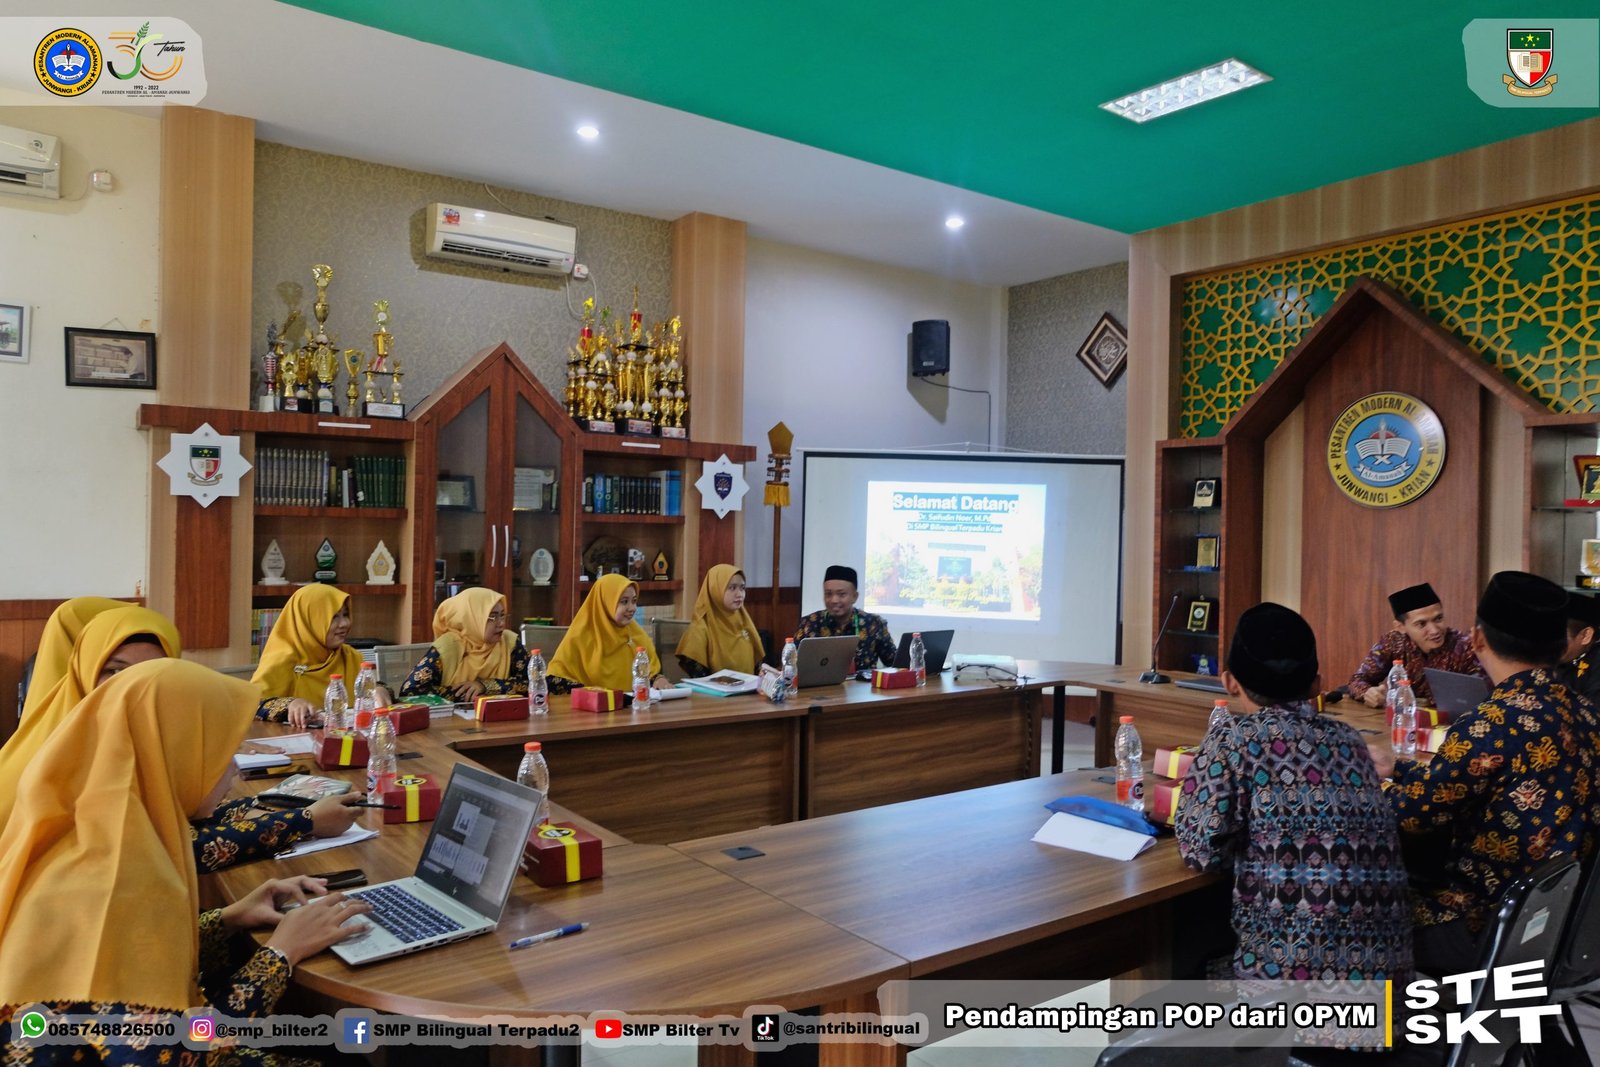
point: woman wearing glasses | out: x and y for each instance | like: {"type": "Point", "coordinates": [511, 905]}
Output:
{"type": "Point", "coordinates": [473, 653]}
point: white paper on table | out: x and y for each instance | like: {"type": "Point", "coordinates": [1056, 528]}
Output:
{"type": "Point", "coordinates": [288, 744]}
{"type": "Point", "coordinates": [675, 693]}
{"type": "Point", "coordinates": [249, 761]}
{"type": "Point", "coordinates": [351, 836]}
{"type": "Point", "coordinates": [1096, 838]}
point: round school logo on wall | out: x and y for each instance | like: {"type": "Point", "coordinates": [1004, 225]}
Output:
{"type": "Point", "coordinates": [1385, 450]}
{"type": "Point", "coordinates": [67, 62]}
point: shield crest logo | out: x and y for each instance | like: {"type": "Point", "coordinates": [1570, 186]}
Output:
{"type": "Point", "coordinates": [205, 464]}
{"type": "Point", "coordinates": [722, 482]}
{"type": "Point", "coordinates": [1530, 53]}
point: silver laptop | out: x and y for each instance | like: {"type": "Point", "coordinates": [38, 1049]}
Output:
{"type": "Point", "coordinates": [463, 877]}
{"type": "Point", "coordinates": [825, 660]}
{"type": "Point", "coordinates": [1455, 694]}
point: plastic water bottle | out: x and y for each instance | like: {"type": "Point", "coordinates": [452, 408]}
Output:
{"type": "Point", "coordinates": [1219, 716]}
{"type": "Point", "coordinates": [534, 773]}
{"type": "Point", "coordinates": [1392, 686]}
{"type": "Point", "coordinates": [335, 704]}
{"type": "Point", "coordinates": [381, 771]}
{"type": "Point", "coordinates": [1130, 766]}
{"type": "Point", "coordinates": [641, 679]}
{"type": "Point", "coordinates": [366, 694]}
{"type": "Point", "coordinates": [919, 659]}
{"type": "Point", "coordinates": [1404, 730]}
{"type": "Point", "coordinates": [538, 685]}
{"type": "Point", "coordinates": [791, 666]}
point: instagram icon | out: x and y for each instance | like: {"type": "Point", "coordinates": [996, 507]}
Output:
{"type": "Point", "coordinates": [202, 1028]}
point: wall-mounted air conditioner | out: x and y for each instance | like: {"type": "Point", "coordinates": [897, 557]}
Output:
{"type": "Point", "coordinates": [506, 242]}
{"type": "Point", "coordinates": [30, 163]}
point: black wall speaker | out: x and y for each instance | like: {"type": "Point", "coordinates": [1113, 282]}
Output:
{"type": "Point", "coordinates": [930, 347]}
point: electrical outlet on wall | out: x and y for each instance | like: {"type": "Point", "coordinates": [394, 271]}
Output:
{"type": "Point", "coordinates": [580, 271]}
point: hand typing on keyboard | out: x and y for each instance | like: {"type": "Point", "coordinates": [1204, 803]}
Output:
{"type": "Point", "coordinates": [404, 916]}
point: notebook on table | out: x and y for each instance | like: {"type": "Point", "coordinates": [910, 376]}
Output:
{"type": "Point", "coordinates": [935, 647]}
{"type": "Point", "coordinates": [824, 660]}
{"type": "Point", "coordinates": [1454, 694]}
{"type": "Point", "coordinates": [463, 877]}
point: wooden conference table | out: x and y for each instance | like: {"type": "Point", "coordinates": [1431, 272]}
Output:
{"type": "Point", "coordinates": [719, 764]}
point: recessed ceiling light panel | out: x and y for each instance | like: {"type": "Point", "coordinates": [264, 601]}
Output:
{"type": "Point", "coordinates": [588, 133]}
{"type": "Point", "coordinates": [1190, 89]}
{"type": "Point", "coordinates": [954, 222]}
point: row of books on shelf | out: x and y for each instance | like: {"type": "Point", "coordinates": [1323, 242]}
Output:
{"type": "Point", "coordinates": [309, 478]}
{"type": "Point", "coordinates": [657, 493]}
{"type": "Point", "coordinates": [261, 621]}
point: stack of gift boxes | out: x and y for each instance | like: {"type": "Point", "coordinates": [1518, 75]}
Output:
{"type": "Point", "coordinates": [1166, 790]}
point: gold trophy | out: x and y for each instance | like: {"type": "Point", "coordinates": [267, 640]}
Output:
{"type": "Point", "coordinates": [394, 392]}
{"type": "Point", "coordinates": [381, 338]}
{"type": "Point", "coordinates": [382, 348]}
{"type": "Point", "coordinates": [353, 358]}
{"type": "Point", "coordinates": [324, 359]}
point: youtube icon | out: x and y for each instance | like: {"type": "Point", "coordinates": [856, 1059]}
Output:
{"type": "Point", "coordinates": [609, 1028]}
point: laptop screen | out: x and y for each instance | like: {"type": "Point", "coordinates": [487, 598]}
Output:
{"type": "Point", "coordinates": [475, 845]}
{"type": "Point", "coordinates": [935, 645]}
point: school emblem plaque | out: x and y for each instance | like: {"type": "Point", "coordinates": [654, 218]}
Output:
{"type": "Point", "coordinates": [1386, 450]}
{"type": "Point", "coordinates": [204, 465]}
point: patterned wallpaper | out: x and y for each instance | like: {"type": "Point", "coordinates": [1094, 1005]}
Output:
{"type": "Point", "coordinates": [1523, 288]}
{"type": "Point", "coordinates": [367, 220]}
{"type": "Point", "coordinates": [1053, 402]}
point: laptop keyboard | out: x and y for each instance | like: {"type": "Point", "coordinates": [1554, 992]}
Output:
{"type": "Point", "coordinates": [404, 916]}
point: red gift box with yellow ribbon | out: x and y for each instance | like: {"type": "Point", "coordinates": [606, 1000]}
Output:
{"type": "Point", "coordinates": [408, 717]}
{"type": "Point", "coordinates": [1163, 796]}
{"type": "Point", "coordinates": [413, 798]}
{"type": "Point", "coordinates": [558, 853]}
{"type": "Point", "coordinates": [591, 699]}
{"type": "Point", "coordinates": [893, 678]}
{"type": "Point", "coordinates": [1431, 717]}
{"type": "Point", "coordinates": [500, 709]}
{"type": "Point", "coordinates": [339, 749]}
{"type": "Point", "coordinates": [1174, 762]}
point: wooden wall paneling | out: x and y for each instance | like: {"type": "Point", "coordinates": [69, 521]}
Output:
{"type": "Point", "coordinates": [1242, 463]}
{"type": "Point", "coordinates": [203, 580]}
{"type": "Point", "coordinates": [1545, 166]}
{"type": "Point", "coordinates": [758, 602]}
{"type": "Point", "coordinates": [1390, 547]}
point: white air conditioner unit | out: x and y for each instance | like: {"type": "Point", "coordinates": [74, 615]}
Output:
{"type": "Point", "coordinates": [30, 163]}
{"type": "Point", "coordinates": [509, 242]}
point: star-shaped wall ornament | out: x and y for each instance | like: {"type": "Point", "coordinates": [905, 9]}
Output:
{"type": "Point", "coordinates": [722, 486]}
{"type": "Point", "coordinates": [204, 465]}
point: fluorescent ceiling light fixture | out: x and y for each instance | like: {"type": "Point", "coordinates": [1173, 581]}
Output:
{"type": "Point", "coordinates": [954, 222]}
{"type": "Point", "coordinates": [1196, 87]}
{"type": "Point", "coordinates": [588, 133]}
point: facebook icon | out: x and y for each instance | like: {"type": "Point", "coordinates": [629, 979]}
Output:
{"type": "Point", "coordinates": [357, 1031]}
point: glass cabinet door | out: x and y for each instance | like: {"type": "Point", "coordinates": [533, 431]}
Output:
{"type": "Point", "coordinates": [462, 549]}
{"type": "Point", "coordinates": [533, 528]}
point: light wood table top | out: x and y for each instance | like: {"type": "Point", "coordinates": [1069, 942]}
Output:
{"type": "Point", "coordinates": [948, 879]}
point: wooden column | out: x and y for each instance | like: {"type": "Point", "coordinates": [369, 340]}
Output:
{"type": "Point", "coordinates": [207, 213]}
{"type": "Point", "coordinates": [708, 262]}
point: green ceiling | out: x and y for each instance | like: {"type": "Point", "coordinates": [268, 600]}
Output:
{"type": "Point", "coordinates": [1001, 98]}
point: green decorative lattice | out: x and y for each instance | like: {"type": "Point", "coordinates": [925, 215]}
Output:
{"type": "Point", "coordinates": [1522, 288]}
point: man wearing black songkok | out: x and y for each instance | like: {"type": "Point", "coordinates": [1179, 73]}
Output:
{"type": "Point", "coordinates": [1513, 783]}
{"type": "Point", "coordinates": [1420, 640]}
{"type": "Point", "coordinates": [1580, 663]}
{"type": "Point", "coordinates": [839, 616]}
{"type": "Point", "coordinates": [1289, 799]}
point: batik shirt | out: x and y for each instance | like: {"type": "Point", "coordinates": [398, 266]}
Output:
{"type": "Point", "coordinates": [237, 834]}
{"type": "Point", "coordinates": [427, 677]}
{"type": "Point", "coordinates": [1291, 801]}
{"type": "Point", "coordinates": [1455, 655]}
{"type": "Point", "coordinates": [1512, 785]}
{"type": "Point", "coordinates": [874, 642]}
{"type": "Point", "coordinates": [250, 991]}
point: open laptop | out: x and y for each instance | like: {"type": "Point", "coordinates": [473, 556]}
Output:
{"type": "Point", "coordinates": [824, 660]}
{"type": "Point", "coordinates": [1455, 694]}
{"type": "Point", "coordinates": [935, 647]}
{"type": "Point", "coordinates": [463, 876]}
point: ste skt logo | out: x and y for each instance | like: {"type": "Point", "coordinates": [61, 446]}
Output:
{"type": "Point", "coordinates": [1511, 982]}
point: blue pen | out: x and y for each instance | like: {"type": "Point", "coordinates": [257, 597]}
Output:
{"type": "Point", "coordinates": [548, 935]}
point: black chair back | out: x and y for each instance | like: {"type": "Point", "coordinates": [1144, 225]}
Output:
{"type": "Point", "coordinates": [1577, 961]}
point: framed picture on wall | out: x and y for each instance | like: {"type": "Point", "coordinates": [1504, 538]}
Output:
{"type": "Point", "coordinates": [119, 359]}
{"type": "Point", "coordinates": [13, 333]}
{"type": "Point", "coordinates": [1105, 350]}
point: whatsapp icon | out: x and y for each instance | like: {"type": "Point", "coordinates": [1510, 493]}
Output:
{"type": "Point", "coordinates": [33, 1024]}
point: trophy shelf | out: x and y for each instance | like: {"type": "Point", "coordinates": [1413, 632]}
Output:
{"type": "Point", "coordinates": [231, 421]}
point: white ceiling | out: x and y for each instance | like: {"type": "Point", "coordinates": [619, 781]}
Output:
{"type": "Point", "coordinates": [323, 84]}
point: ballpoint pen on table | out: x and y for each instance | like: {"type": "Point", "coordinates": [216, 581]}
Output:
{"type": "Point", "coordinates": [548, 935]}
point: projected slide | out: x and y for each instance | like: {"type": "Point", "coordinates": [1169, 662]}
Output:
{"type": "Point", "coordinates": [954, 548]}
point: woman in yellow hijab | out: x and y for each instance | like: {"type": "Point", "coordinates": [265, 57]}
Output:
{"type": "Point", "coordinates": [306, 647]}
{"type": "Point", "coordinates": [98, 889]}
{"type": "Point", "coordinates": [721, 635]}
{"type": "Point", "coordinates": [109, 641]}
{"type": "Point", "coordinates": [473, 653]}
{"type": "Point", "coordinates": [599, 646]}
{"type": "Point", "coordinates": [61, 632]}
